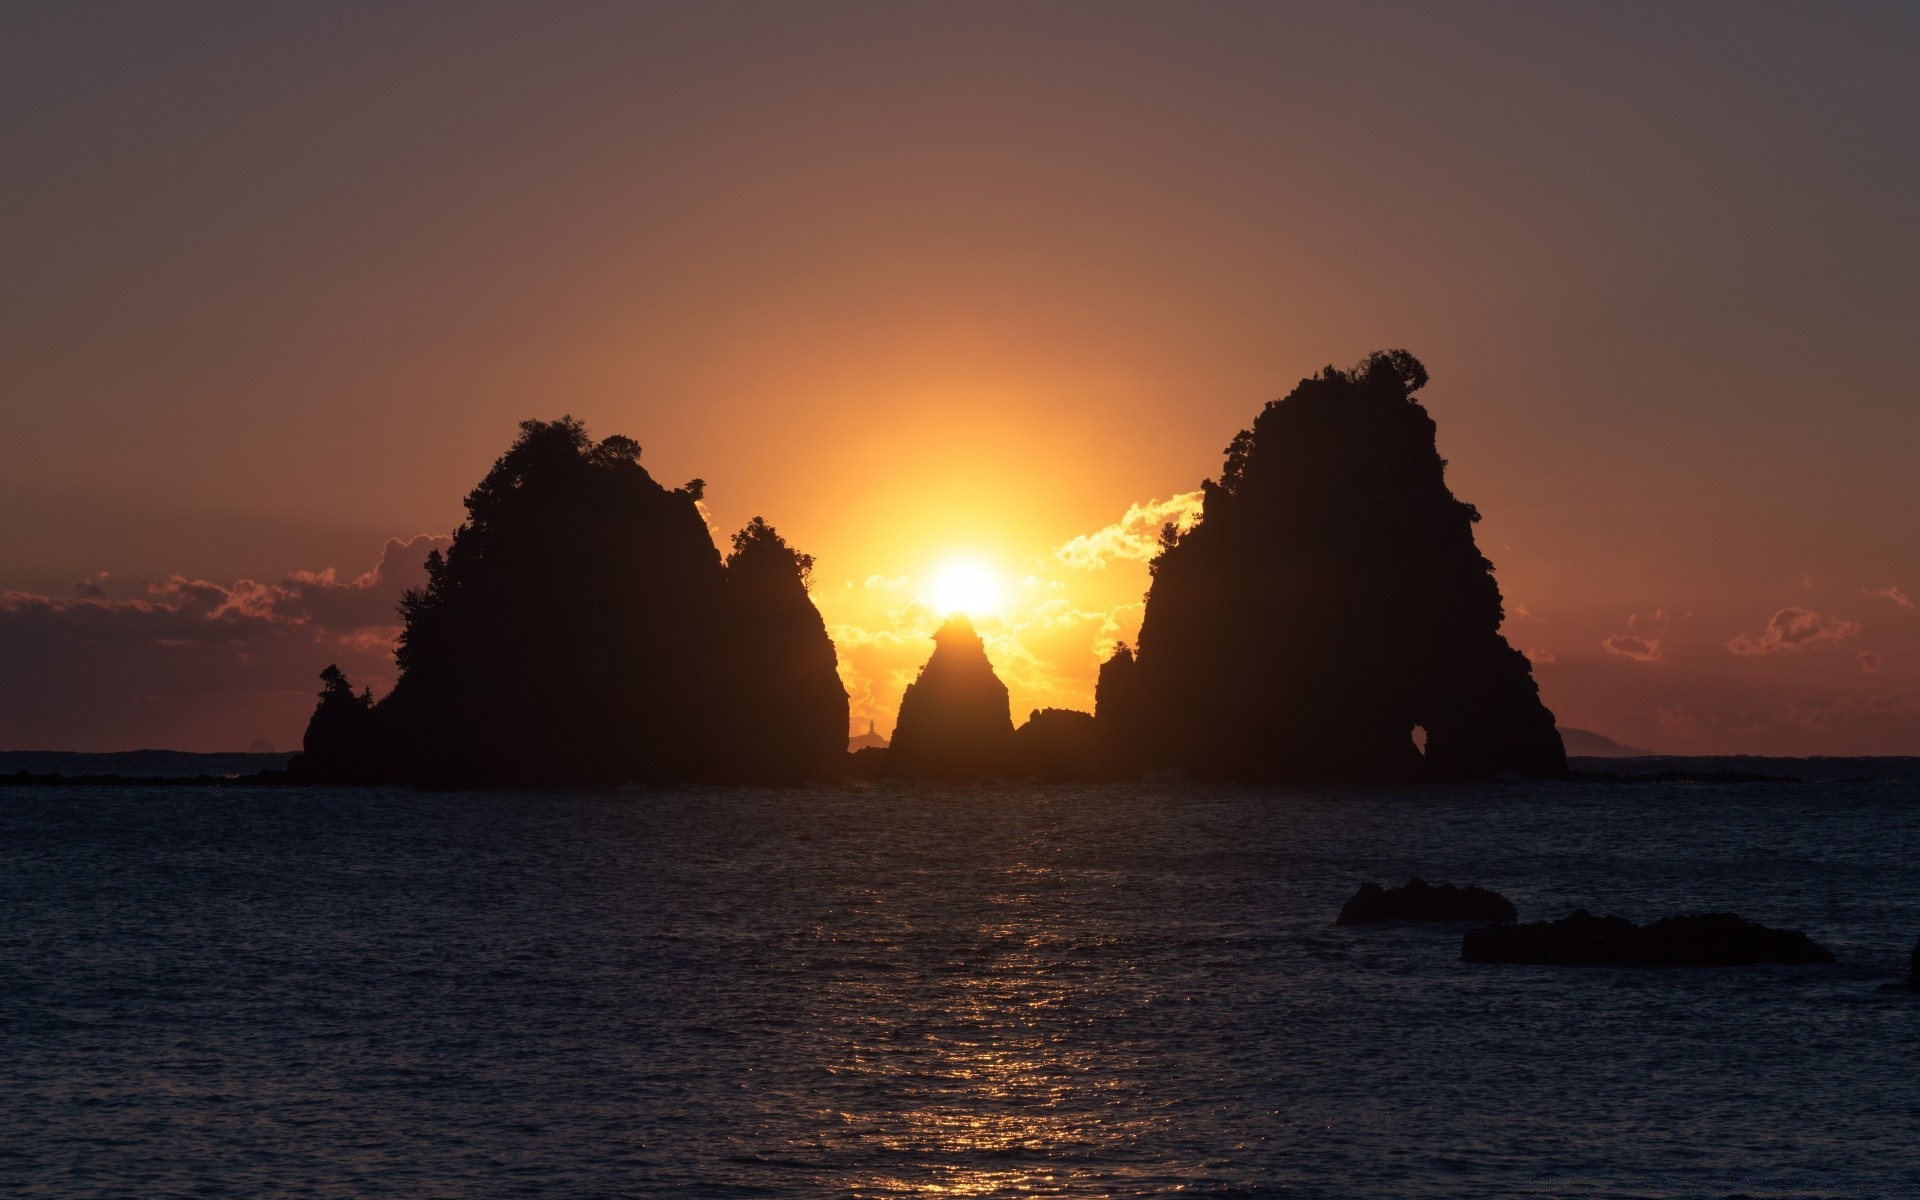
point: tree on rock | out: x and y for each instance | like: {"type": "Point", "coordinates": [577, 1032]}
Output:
{"type": "Point", "coordinates": [956, 720]}
{"type": "Point", "coordinates": [582, 629]}
{"type": "Point", "coordinates": [342, 742]}
{"type": "Point", "coordinates": [1329, 600]}
{"type": "Point", "coordinates": [568, 634]}
{"type": "Point", "coordinates": [786, 705]}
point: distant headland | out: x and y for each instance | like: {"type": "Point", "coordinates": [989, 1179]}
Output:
{"type": "Point", "coordinates": [1328, 604]}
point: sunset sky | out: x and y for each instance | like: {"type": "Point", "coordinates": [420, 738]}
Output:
{"type": "Point", "coordinates": [989, 285]}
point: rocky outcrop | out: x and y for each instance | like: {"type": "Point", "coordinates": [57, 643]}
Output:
{"type": "Point", "coordinates": [582, 629]}
{"type": "Point", "coordinates": [1422, 901]}
{"type": "Point", "coordinates": [1703, 940]}
{"type": "Point", "coordinates": [787, 708]}
{"type": "Point", "coordinates": [956, 721]}
{"type": "Point", "coordinates": [342, 743]}
{"type": "Point", "coordinates": [1329, 600]}
{"type": "Point", "coordinates": [1913, 968]}
{"type": "Point", "coordinates": [1061, 744]}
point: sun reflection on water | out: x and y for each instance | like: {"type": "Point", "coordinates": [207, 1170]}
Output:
{"type": "Point", "coordinates": [1006, 1075]}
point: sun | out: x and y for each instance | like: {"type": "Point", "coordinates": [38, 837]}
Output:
{"type": "Point", "coordinates": [966, 587]}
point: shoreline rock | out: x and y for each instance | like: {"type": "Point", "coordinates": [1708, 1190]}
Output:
{"type": "Point", "coordinates": [1697, 940]}
{"type": "Point", "coordinates": [1419, 900]}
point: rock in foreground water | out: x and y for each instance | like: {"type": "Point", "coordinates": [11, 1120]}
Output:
{"type": "Point", "coordinates": [1422, 901]}
{"type": "Point", "coordinates": [1701, 940]}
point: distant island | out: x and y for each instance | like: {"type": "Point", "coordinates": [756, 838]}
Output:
{"type": "Point", "coordinates": [1328, 604]}
{"type": "Point", "coordinates": [1584, 743]}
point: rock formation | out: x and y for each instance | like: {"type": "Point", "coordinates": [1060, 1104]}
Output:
{"type": "Point", "coordinates": [1704, 940]}
{"type": "Point", "coordinates": [1913, 967]}
{"type": "Point", "coordinates": [582, 629]}
{"type": "Point", "coordinates": [955, 720]}
{"type": "Point", "coordinates": [342, 743]}
{"type": "Point", "coordinates": [1329, 600]}
{"type": "Point", "coordinates": [1063, 745]}
{"type": "Point", "coordinates": [1422, 901]}
{"type": "Point", "coordinates": [784, 699]}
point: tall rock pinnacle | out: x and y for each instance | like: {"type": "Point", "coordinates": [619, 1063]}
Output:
{"type": "Point", "coordinates": [956, 721]}
{"type": "Point", "coordinates": [1330, 600]}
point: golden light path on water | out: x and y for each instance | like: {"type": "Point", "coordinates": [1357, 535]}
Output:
{"type": "Point", "coordinates": [1003, 1054]}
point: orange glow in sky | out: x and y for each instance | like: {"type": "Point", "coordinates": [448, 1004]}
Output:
{"type": "Point", "coordinates": [965, 587]}
{"type": "Point", "coordinates": [935, 285]}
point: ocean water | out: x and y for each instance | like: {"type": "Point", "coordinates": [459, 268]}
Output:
{"type": "Point", "coordinates": [893, 990]}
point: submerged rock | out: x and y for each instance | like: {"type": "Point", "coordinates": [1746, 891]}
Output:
{"type": "Point", "coordinates": [1422, 901]}
{"type": "Point", "coordinates": [1722, 940]}
{"type": "Point", "coordinates": [1701, 940]}
{"type": "Point", "coordinates": [1329, 600]}
{"type": "Point", "coordinates": [956, 720]}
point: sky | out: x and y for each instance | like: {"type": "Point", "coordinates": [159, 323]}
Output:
{"type": "Point", "coordinates": [928, 285]}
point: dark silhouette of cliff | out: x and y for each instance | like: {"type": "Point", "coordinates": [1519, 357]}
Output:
{"type": "Point", "coordinates": [582, 629]}
{"type": "Point", "coordinates": [784, 697]}
{"type": "Point", "coordinates": [1330, 600]}
{"type": "Point", "coordinates": [1062, 744]}
{"type": "Point", "coordinates": [342, 743]}
{"type": "Point", "coordinates": [955, 720]}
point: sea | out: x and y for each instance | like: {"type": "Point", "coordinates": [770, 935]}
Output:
{"type": "Point", "coordinates": [892, 990]}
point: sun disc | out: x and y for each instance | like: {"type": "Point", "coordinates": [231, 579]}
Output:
{"type": "Point", "coordinates": [965, 587]}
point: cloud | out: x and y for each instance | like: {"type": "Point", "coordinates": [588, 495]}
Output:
{"type": "Point", "coordinates": [1889, 592]}
{"type": "Point", "coordinates": [885, 583]}
{"type": "Point", "coordinates": [1541, 658]}
{"type": "Point", "coordinates": [1889, 713]}
{"type": "Point", "coordinates": [720, 538]}
{"type": "Point", "coordinates": [1135, 536]}
{"type": "Point", "coordinates": [1641, 642]}
{"type": "Point", "coordinates": [1869, 662]}
{"type": "Point", "coordinates": [1794, 629]}
{"type": "Point", "coordinates": [1048, 656]}
{"type": "Point", "coordinates": [1633, 646]}
{"type": "Point", "coordinates": [194, 664]}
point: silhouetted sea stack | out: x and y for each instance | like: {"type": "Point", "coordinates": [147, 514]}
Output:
{"type": "Point", "coordinates": [1913, 968]}
{"type": "Point", "coordinates": [1330, 600]}
{"type": "Point", "coordinates": [1422, 901]}
{"type": "Point", "coordinates": [342, 742]}
{"type": "Point", "coordinates": [956, 721]}
{"type": "Point", "coordinates": [582, 629]}
{"type": "Point", "coordinates": [1704, 940]}
{"type": "Point", "coordinates": [785, 704]}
